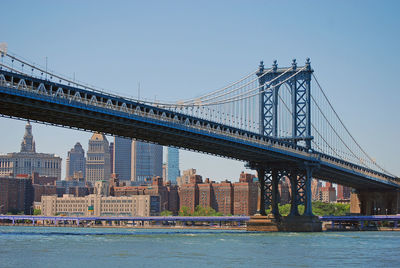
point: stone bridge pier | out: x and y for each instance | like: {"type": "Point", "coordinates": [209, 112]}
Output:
{"type": "Point", "coordinates": [370, 202]}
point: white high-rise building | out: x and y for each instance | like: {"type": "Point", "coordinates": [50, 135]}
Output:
{"type": "Point", "coordinates": [98, 166]}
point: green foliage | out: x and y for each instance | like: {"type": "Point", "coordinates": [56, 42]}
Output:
{"type": "Point", "coordinates": [166, 213]}
{"type": "Point", "coordinates": [335, 209]}
{"type": "Point", "coordinates": [184, 211]}
{"type": "Point", "coordinates": [15, 212]}
{"type": "Point", "coordinates": [37, 212]}
{"type": "Point", "coordinates": [319, 209]}
{"type": "Point", "coordinates": [199, 211]}
{"type": "Point", "coordinates": [206, 211]}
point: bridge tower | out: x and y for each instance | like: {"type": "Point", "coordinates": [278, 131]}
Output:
{"type": "Point", "coordinates": [298, 80]}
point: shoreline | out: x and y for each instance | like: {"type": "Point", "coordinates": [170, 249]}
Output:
{"type": "Point", "coordinates": [181, 227]}
{"type": "Point", "coordinates": [129, 227]}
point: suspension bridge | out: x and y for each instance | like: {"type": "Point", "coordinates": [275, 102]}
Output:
{"type": "Point", "coordinates": [278, 120]}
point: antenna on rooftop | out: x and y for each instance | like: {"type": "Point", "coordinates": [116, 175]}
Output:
{"type": "Point", "coordinates": [138, 91]}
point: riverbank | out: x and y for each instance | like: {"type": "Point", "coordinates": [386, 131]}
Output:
{"type": "Point", "coordinates": [130, 226]}
{"type": "Point", "coordinates": [325, 228]}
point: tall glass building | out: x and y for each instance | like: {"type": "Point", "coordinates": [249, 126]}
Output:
{"type": "Point", "coordinates": [76, 160]}
{"type": "Point", "coordinates": [147, 159]}
{"type": "Point", "coordinates": [122, 158]}
{"type": "Point", "coordinates": [173, 171]}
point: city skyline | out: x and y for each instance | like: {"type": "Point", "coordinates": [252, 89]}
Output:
{"type": "Point", "coordinates": [81, 146]}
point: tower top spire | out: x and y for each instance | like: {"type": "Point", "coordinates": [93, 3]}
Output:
{"type": "Point", "coordinates": [28, 144]}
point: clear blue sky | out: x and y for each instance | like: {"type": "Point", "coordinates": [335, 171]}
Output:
{"type": "Point", "coordinates": [180, 49]}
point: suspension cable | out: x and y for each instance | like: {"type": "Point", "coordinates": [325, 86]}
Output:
{"type": "Point", "coordinates": [236, 98]}
{"type": "Point", "coordinates": [348, 132]}
{"type": "Point", "coordinates": [313, 126]}
{"type": "Point", "coordinates": [249, 91]}
{"type": "Point", "coordinates": [232, 90]}
{"type": "Point", "coordinates": [222, 89]}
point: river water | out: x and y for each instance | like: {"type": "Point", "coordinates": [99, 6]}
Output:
{"type": "Point", "coordinates": [109, 247]}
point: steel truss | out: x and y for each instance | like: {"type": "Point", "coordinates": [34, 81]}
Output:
{"type": "Point", "coordinates": [300, 180]}
{"type": "Point", "coordinates": [300, 87]}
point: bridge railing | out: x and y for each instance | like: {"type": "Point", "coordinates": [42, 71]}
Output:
{"type": "Point", "coordinates": [349, 166]}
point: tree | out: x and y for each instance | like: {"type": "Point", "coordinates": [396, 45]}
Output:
{"type": "Point", "coordinates": [37, 211]}
{"type": "Point", "coordinates": [184, 211]}
{"type": "Point", "coordinates": [319, 209]}
{"type": "Point", "coordinates": [206, 211]}
{"type": "Point", "coordinates": [199, 211]}
{"type": "Point", "coordinates": [166, 213]}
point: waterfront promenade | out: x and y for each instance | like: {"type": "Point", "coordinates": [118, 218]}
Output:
{"type": "Point", "coordinates": [331, 223]}
{"type": "Point", "coordinates": [124, 221]}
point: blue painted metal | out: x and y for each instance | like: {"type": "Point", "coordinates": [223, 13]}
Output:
{"type": "Point", "coordinates": [361, 218]}
{"type": "Point", "coordinates": [55, 219]}
{"type": "Point", "coordinates": [300, 85]}
{"type": "Point", "coordinates": [309, 167]}
{"type": "Point", "coordinates": [14, 218]}
{"type": "Point", "coordinates": [268, 102]}
{"type": "Point", "coordinates": [301, 105]}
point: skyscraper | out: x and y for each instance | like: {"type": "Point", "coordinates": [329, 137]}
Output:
{"type": "Point", "coordinates": [28, 144]}
{"type": "Point", "coordinates": [28, 161]}
{"type": "Point", "coordinates": [122, 158]}
{"type": "Point", "coordinates": [172, 164]}
{"type": "Point", "coordinates": [111, 150]}
{"type": "Point", "coordinates": [76, 161]}
{"type": "Point", "coordinates": [147, 160]}
{"type": "Point", "coordinates": [98, 166]}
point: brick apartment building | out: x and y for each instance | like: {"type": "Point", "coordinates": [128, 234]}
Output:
{"type": "Point", "coordinates": [168, 193]}
{"type": "Point", "coordinates": [43, 185]}
{"type": "Point", "coordinates": [245, 195]}
{"type": "Point", "coordinates": [189, 193]}
{"type": "Point", "coordinates": [16, 195]}
{"type": "Point", "coordinates": [238, 198]}
{"type": "Point", "coordinates": [328, 193]}
{"type": "Point", "coordinates": [343, 192]}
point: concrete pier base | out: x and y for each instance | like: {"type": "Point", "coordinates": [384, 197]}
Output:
{"type": "Point", "coordinates": [285, 224]}
{"type": "Point", "coordinates": [261, 223]}
{"type": "Point", "coordinates": [300, 224]}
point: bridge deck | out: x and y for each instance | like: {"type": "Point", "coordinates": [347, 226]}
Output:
{"type": "Point", "coordinates": [62, 105]}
